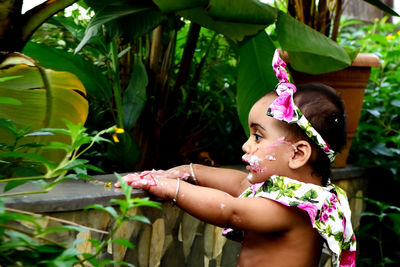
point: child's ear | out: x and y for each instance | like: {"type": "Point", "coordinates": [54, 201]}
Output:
{"type": "Point", "coordinates": [302, 151]}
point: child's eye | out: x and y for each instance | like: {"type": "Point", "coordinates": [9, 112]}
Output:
{"type": "Point", "coordinates": [257, 137]}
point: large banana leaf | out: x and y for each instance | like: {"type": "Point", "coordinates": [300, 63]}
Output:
{"type": "Point", "coordinates": [90, 75]}
{"type": "Point", "coordinates": [309, 50]}
{"type": "Point", "coordinates": [255, 74]}
{"type": "Point", "coordinates": [48, 99]}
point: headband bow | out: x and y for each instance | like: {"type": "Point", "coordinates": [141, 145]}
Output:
{"type": "Point", "coordinates": [283, 107]}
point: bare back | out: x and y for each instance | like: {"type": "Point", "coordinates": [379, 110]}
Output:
{"type": "Point", "coordinates": [301, 245]}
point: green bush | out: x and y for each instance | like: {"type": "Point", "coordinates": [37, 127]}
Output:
{"type": "Point", "coordinates": [20, 247]}
{"type": "Point", "coordinates": [377, 142]}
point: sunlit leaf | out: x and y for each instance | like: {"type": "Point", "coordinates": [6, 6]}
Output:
{"type": "Point", "coordinates": [48, 97]}
{"type": "Point", "coordinates": [123, 242]}
{"type": "Point", "coordinates": [309, 50]}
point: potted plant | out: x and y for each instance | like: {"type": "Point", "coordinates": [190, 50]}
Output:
{"type": "Point", "coordinates": [350, 82]}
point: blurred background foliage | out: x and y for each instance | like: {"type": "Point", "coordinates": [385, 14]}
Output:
{"type": "Point", "coordinates": [200, 123]}
{"type": "Point", "coordinates": [377, 143]}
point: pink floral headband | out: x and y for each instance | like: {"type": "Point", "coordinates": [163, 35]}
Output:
{"type": "Point", "coordinates": [283, 108]}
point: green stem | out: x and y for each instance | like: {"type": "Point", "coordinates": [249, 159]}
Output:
{"type": "Point", "coordinates": [108, 238]}
{"type": "Point", "coordinates": [117, 84]}
{"type": "Point", "coordinates": [24, 193]}
{"type": "Point", "coordinates": [7, 226]}
{"type": "Point", "coordinates": [21, 178]}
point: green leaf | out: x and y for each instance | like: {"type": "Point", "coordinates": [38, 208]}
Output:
{"type": "Point", "coordinates": [134, 97]}
{"type": "Point", "coordinates": [144, 16]}
{"type": "Point", "coordinates": [30, 156]}
{"type": "Point", "coordinates": [140, 218]}
{"type": "Point", "coordinates": [255, 74]}
{"type": "Point", "coordinates": [309, 51]}
{"type": "Point", "coordinates": [395, 102]}
{"type": "Point", "coordinates": [58, 145]}
{"type": "Point", "coordinates": [139, 202]}
{"type": "Point", "coordinates": [12, 184]}
{"type": "Point", "coordinates": [76, 163]}
{"type": "Point", "coordinates": [126, 189]}
{"type": "Point", "coordinates": [95, 83]}
{"type": "Point", "coordinates": [40, 133]}
{"type": "Point", "coordinates": [244, 11]}
{"type": "Point", "coordinates": [168, 6]}
{"type": "Point", "coordinates": [93, 168]}
{"type": "Point", "coordinates": [3, 79]}
{"type": "Point", "coordinates": [382, 7]}
{"type": "Point", "coordinates": [46, 95]}
{"type": "Point", "coordinates": [124, 242]}
{"type": "Point", "coordinates": [109, 210]}
{"type": "Point", "coordinates": [9, 101]}
{"type": "Point", "coordinates": [237, 32]}
{"type": "Point", "coordinates": [61, 228]}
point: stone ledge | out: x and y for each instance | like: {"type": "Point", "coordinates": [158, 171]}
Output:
{"type": "Point", "coordinates": [68, 196]}
{"type": "Point", "coordinates": [76, 194]}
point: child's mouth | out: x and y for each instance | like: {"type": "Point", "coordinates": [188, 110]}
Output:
{"type": "Point", "coordinates": [253, 163]}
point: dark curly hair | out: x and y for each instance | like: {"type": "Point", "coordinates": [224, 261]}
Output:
{"type": "Point", "coordinates": [324, 109]}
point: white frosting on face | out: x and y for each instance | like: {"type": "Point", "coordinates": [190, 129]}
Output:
{"type": "Point", "coordinates": [250, 177]}
{"type": "Point", "coordinates": [253, 160]}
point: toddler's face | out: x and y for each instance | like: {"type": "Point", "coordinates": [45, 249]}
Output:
{"type": "Point", "coordinates": [267, 150]}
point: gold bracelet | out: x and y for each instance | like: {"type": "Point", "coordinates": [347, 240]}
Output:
{"type": "Point", "coordinates": [192, 174]}
{"type": "Point", "coordinates": [176, 191]}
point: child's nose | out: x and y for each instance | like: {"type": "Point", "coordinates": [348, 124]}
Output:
{"type": "Point", "coordinates": [246, 147]}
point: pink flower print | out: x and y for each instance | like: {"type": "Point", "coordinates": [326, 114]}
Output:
{"type": "Point", "coordinates": [325, 206]}
{"type": "Point", "coordinates": [324, 217]}
{"type": "Point", "coordinates": [344, 226]}
{"type": "Point", "coordinates": [333, 199]}
{"type": "Point", "coordinates": [282, 107]}
{"type": "Point", "coordinates": [353, 238]}
{"type": "Point", "coordinates": [348, 259]}
{"type": "Point", "coordinates": [282, 75]}
{"type": "Point", "coordinates": [257, 186]}
{"type": "Point", "coordinates": [330, 209]}
{"type": "Point", "coordinates": [279, 66]}
{"type": "Point", "coordinates": [310, 209]}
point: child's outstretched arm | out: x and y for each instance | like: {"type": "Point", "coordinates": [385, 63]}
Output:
{"type": "Point", "coordinates": [219, 208]}
{"type": "Point", "coordinates": [231, 181]}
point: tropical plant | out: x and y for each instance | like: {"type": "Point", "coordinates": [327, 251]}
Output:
{"type": "Point", "coordinates": [44, 96]}
{"type": "Point", "coordinates": [377, 141]}
{"type": "Point", "coordinates": [379, 234]}
{"type": "Point", "coordinates": [147, 52]}
{"type": "Point", "coordinates": [377, 145]}
{"type": "Point", "coordinates": [34, 246]}
{"type": "Point", "coordinates": [156, 78]}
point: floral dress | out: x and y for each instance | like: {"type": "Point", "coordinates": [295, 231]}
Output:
{"type": "Point", "coordinates": [327, 208]}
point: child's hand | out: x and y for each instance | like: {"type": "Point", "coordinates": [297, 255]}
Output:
{"type": "Point", "coordinates": [180, 172]}
{"type": "Point", "coordinates": [157, 185]}
{"type": "Point", "coordinates": [129, 178]}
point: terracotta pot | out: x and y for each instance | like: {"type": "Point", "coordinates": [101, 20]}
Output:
{"type": "Point", "coordinates": [350, 83]}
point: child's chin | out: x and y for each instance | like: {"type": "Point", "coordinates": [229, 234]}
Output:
{"type": "Point", "coordinates": [256, 177]}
